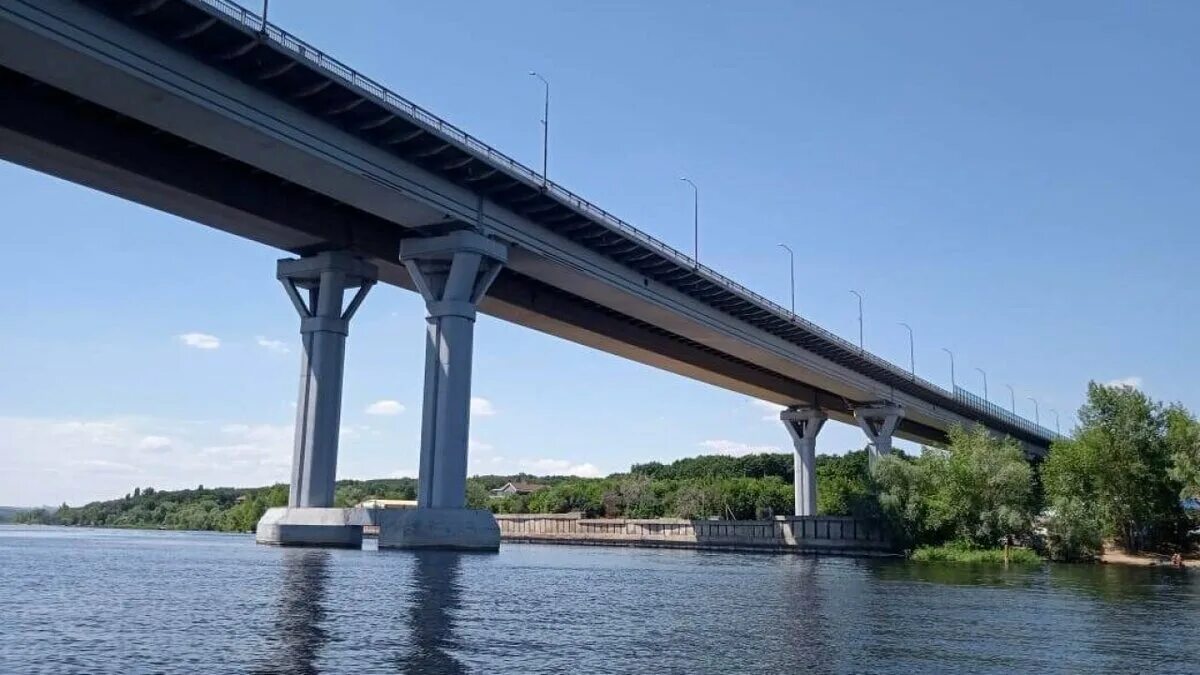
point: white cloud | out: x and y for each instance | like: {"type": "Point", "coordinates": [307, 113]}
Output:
{"type": "Point", "coordinates": [1133, 381]}
{"type": "Point", "coordinates": [277, 346]}
{"type": "Point", "coordinates": [770, 410]}
{"type": "Point", "coordinates": [559, 467]}
{"type": "Point", "coordinates": [51, 460]}
{"type": "Point", "coordinates": [736, 449]}
{"type": "Point", "coordinates": [385, 407]}
{"type": "Point", "coordinates": [481, 407]}
{"type": "Point", "coordinates": [154, 443]}
{"type": "Point", "coordinates": [200, 340]}
{"type": "Point", "coordinates": [484, 460]}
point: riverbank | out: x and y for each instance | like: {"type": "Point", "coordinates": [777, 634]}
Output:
{"type": "Point", "coordinates": [1114, 556]}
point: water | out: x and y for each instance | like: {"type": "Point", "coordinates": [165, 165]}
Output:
{"type": "Point", "coordinates": [109, 601]}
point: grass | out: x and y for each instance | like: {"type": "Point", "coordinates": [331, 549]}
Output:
{"type": "Point", "coordinates": [958, 553]}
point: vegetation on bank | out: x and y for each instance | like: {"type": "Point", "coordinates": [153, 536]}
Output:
{"type": "Point", "coordinates": [957, 553]}
{"type": "Point", "coordinates": [1121, 476]}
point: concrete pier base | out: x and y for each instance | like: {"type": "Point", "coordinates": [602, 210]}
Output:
{"type": "Point", "coordinates": [430, 528]}
{"type": "Point", "coordinates": [294, 526]}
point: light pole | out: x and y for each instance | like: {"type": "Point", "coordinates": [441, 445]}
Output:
{"type": "Point", "coordinates": [953, 384]}
{"type": "Point", "coordinates": [266, 6]}
{"type": "Point", "coordinates": [545, 129]}
{"type": "Point", "coordinates": [860, 322]}
{"type": "Point", "coordinates": [985, 391]}
{"type": "Point", "coordinates": [792, 269]}
{"type": "Point", "coordinates": [1012, 395]}
{"type": "Point", "coordinates": [1057, 430]}
{"type": "Point", "coordinates": [1037, 415]}
{"type": "Point", "coordinates": [912, 362]}
{"type": "Point", "coordinates": [695, 219]}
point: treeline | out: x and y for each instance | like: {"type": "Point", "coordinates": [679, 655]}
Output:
{"type": "Point", "coordinates": [1123, 476]}
{"type": "Point", "coordinates": [219, 509]}
{"type": "Point", "coordinates": [710, 486]}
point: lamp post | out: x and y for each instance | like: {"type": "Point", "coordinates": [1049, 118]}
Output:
{"type": "Point", "coordinates": [1057, 430]}
{"type": "Point", "coordinates": [860, 320]}
{"type": "Point", "coordinates": [953, 384]}
{"type": "Point", "coordinates": [695, 219]}
{"type": "Point", "coordinates": [1012, 395]}
{"type": "Point", "coordinates": [985, 391]}
{"type": "Point", "coordinates": [1037, 415]}
{"type": "Point", "coordinates": [266, 6]}
{"type": "Point", "coordinates": [545, 129]}
{"type": "Point", "coordinates": [912, 362]}
{"type": "Point", "coordinates": [792, 269]}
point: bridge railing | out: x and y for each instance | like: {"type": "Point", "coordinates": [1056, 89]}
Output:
{"type": "Point", "coordinates": [254, 23]}
{"type": "Point", "coordinates": [977, 401]}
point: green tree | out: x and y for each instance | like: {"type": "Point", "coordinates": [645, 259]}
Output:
{"type": "Point", "coordinates": [1117, 468]}
{"type": "Point", "coordinates": [844, 485]}
{"type": "Point", "coordinates": [1183, 442]}
{"type": "Point", "coordinates": [975, 492]}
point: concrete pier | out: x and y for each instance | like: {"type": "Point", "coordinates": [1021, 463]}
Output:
{"type": "Point", "coordinates": [452, 273]}
{"type": "Point", "coordinates": [309, 518]}
{"type": "Point", "coordinates": [878, 421]}
{"type": "Point", "coordinates": [803, 424]}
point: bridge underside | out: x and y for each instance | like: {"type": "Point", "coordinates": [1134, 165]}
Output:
{"type": "Point", "coordinates": [55, 132]}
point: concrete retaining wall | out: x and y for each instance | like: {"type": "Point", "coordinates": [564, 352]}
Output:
{"type": "Point", "coordinates": [814, 534]}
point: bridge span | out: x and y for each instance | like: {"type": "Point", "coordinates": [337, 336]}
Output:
{"type": "Point", "coordinates": [201, 109]}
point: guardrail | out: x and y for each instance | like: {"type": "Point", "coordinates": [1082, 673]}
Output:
{"type": "Point", "coordinates": [255, 24]}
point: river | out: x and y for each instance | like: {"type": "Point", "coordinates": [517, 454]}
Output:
{"type": "Point", "coordinates": [113, 601]}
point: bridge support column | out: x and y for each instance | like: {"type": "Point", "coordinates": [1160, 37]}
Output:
{"type": "Point", "coordinates": [804, 423]}
{"type": "Point", "coordinates": [878, 422]}
{"type": "Point", "coordinates": [309, 518]}
{"type": "Point", "coordinates": [452, 272]}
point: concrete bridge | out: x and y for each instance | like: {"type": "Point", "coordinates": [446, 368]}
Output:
{"type": "Point", "coordinates": [201, 109]}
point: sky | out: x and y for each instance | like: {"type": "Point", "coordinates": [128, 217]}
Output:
{"type": "Point", "coordinates": [1016, 181]}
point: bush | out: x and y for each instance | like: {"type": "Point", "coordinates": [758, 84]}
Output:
{"type": "Point", "coordinates": [960, 553]}
{"type": "Point", "coordinates": [1073, 531]}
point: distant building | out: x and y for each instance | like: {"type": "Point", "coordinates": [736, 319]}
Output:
{"type": "Point", "coordinates": [388, 504]}
{"type": "Point", "coordinates": [517, 489]}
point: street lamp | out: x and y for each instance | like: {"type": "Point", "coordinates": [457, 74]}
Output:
{"type": "Point", "coordinates": [1057, 430]}
{"type": "Point", "coordinates": [545, 129]}
{"type": "Point", "coordinates": [953, 384]}
{"type": "Point", "coordinates": [912, 362]}
{"type": "Point", "coordinates": [1012, 396]}
{"type": "Point", "coordinates": [860, 322]}
{"type": "Point", "coordinates": [1037, 416]}
{"type": "Point", "coordinates": [695, 219]}
{"type": "Point", "coordinates": [792, 268]}
{"type": "Point", "coordinates": [985, 391]}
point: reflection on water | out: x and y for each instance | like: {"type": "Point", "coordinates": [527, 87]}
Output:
{"type": "Point", "coordinates": [298, 631]}
{"type": "Point", "coordinates": [98, 602]}
{"type": "Point", "coordinates": [956, 574]}
{"type": "Point", "coordinates": [435, 599]}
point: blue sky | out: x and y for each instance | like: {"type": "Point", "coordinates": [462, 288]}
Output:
{"type": "Point", "coordinates": [1016, 181]}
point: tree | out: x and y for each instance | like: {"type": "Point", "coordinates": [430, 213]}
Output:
{"type": "Point", "coordinates": [844, 485]}
{"type": "Point", "coordinates": [975, 492]}
{"type": "Point", "coordinates": [1117, 468]}
{"type": "Point", "coordinates": [1183, 442]}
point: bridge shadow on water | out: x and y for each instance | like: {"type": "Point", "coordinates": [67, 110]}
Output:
{"type": "Point", "coordinates": [436, 596]}
{"type": "Point", "coordinates": [299, 638]}
{"type": "Point", "coordinates": [300, 613]}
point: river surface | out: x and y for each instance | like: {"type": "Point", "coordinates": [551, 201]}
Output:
{"type": "Point", "coordinates": [114, 601]}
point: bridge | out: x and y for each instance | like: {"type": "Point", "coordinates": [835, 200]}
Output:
{"type": "Point", "coordinates": [202, 109]}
